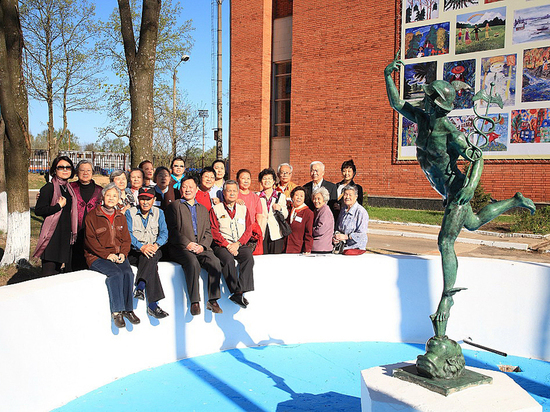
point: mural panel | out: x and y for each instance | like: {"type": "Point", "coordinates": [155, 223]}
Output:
{"type": "Point", "coordinates": [479, 31]}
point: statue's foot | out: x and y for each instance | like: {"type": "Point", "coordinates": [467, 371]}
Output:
{"type": "Point", "coordinates": [443, 310]}
{"type": "Point", "coordinates": [525, 202]}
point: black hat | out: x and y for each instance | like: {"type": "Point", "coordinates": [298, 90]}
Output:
{"type": "Point", "coordinates": [146, 192]}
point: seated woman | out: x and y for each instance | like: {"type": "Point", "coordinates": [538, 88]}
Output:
{"type": "Point", "coordinates": [126, 200]}
{"type": "Point", "coordinates": [301, 223]}
{"type": "Point", "coordinates": [352, 224]}
{"type": "Point", "coordinates": [252, 202]}
{"type": "Point", "coordinates": [348, 173]}
{"type": "Point", "coordinates": [323, 222]}
{"type": "Point", "coordinates": [88, 196]}
{"type": "Point", "coordinates": [272, 201]}
{"type": "Point", "coordinates": [164, 192]}
{"type": "Point", "coordinates": [106, 249]}
{"type": "Point", "coordinates": [137, 177]}
{"type": "Point", "coordinates": [57, 204]}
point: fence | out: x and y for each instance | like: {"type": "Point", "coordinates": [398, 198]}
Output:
{"type": "Point", "coordinates": [104, 162]}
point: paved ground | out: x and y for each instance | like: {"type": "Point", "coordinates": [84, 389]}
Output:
{"type": "Point", "coordinates": [412, 239]}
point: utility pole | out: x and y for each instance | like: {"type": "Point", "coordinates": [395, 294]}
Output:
{"type": "Point", "coordinates": [219, 140]}
{"type": "Point", "coordinates": [184, 58]}
{"type": "Point", "coordinates": [203, 114]}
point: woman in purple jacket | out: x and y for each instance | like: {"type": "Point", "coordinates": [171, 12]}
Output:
{"type": "Point", "coordinates": [323, 222]}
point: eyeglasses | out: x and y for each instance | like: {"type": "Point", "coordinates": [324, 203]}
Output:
{"type": "Point", "coordinates": [64, 168]}
{"type": "Point", "coordinates": [285, 173]}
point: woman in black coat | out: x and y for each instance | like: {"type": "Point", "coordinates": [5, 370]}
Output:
{"type": "Point", "coordinates": [57, 204]}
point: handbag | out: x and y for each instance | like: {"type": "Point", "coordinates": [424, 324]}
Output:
{"type": "Point", "coordinates": [284, 226]}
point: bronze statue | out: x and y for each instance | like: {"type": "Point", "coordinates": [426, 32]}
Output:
{"type": "Point", "coordinates": [438, 147]}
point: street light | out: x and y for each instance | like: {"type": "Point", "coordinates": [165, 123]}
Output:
{"type": "Point", "coordinates": [203, 114]}
{"type": "Point", "coordinates": [184, 58]}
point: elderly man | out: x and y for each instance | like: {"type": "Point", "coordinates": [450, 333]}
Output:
{"type": "Point", "coordinates": [317, 172]}
{"type": "Point", "coordinates": [190, 239]}
{"type": "Point", "coordinates": [352, 224]}
{"type": "Point", "coordinates": [284, 173]}
{"type": "Point", "coordinates": [231, 230]}
{"type": "Point", "coordinates": [148, 232]}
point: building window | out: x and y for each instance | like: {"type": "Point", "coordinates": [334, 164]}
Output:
{"type": "Point", "coordinates": [281, 100]}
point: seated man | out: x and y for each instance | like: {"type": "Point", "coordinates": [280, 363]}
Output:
{"type": "Point", "coordinates": [231, 229]}
{"type": "Point", "coordinates": [148, 231]}
{"type": "Point", "coordinates": [352, 224]}
{"type": "Point", "coordinates": [189, 244]}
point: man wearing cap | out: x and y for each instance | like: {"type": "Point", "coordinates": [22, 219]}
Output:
{"type": "Point", "coordinates": [148, 231]}
{"type": "Point", "coordinates": [189, 244]}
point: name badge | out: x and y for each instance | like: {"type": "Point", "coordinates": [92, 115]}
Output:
{"type": "Point", "coordinates": [240, 221]}
{"type": "Point", "coordinates": [298, 219]}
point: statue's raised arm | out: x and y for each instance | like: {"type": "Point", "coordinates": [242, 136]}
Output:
{"type": "Point", "coordinates": [396, 102]}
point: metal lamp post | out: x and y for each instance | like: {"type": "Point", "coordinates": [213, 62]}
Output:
{"type": "Point", "coordinates": [204, 115]}
{"type": "Point", "coordinates": [184, 58]}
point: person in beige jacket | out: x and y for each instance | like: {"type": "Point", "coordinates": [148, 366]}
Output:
{"type": "Point", "coordinates": [272, 201]}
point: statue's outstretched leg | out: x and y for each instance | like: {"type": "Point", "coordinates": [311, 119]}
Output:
{"type": "Point", "coordinates": [453, 221]}
{"type": "Point", "coordinates": [492, 210]}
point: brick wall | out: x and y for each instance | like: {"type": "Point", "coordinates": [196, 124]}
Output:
{"type": "Point", "coordinates": [339, 104]}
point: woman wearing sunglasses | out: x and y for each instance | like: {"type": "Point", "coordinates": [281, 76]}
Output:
{"type": "Point", "coordinates": [57, 205]}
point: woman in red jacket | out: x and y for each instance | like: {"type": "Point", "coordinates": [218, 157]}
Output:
{"type": "Point", "coordinates": [106, 249]}
{"type": "Point", "coordinates": [301, 223]}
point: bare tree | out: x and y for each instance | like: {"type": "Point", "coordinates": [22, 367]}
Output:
{"type": "Point", "coordinates": [3, 193]}
{"type": "Point", "coordinates": [14, 106]}
{"type": "Point", "coordinates": [173, 41]}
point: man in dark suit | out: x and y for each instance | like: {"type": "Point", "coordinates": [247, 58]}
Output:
{"type": "Point", "coordinates": [317, 171]}
{"type": "Point", "coordinates": [190, 240]}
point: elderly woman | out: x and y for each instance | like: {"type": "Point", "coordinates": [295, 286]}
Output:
{"type": "Point", "coordinates": [252, 202]}
{"type": "Point", "coordinates": [352, 224]}
{"type": "Point", "coordinates": [323, 222]}
{"type": "Point", "coordinates": [301, 223]}
{"type": "Point", "coordinates": [164, 191]}
{"type": "Point", "coordinates": [272, 202]}
{"type": "Point", "coordinates": [88, 196]}
{"type": "Point", "coordinates": [349, 171]}
{"type": "Point", "coordinates": [126, 200]}
{"type": "Point", "coordinates": [57, 204]}
{"type": "Point", "coordinates": [106, 248]}
{"type": "Point", "coordinates": [137, 177]}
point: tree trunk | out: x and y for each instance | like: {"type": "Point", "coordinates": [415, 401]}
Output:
{"type": "Point", "coordinates": [141, 70]}
{"type": "Point", "coordinates": [13, 100]}
{"type": "Point", "coordinates": [3, 193]}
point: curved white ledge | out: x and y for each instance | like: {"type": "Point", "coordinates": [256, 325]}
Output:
{"type": "Point", "coordinates": [57, 341]}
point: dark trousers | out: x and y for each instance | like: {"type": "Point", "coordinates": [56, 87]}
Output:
{"type": "Point", "coordinates": [272, 247]}
{"type": "Point", "coordinates": [191, 264]}
{"type": "Point", "coordinates": [120, 281]}
{"type": "Point", "coordinates": [237, 283]}
{"type": "Point", "coordinates": [149, 273]}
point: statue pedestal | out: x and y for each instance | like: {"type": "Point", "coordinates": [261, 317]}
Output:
{"type": "Point", "coordinates": [381, 392]}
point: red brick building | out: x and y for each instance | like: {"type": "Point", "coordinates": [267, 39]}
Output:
{"type": "Point", "coordinates": [307, 84]}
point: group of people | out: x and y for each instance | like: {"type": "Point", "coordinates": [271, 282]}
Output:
{"type": "Point", "coordinates": [208, 222]}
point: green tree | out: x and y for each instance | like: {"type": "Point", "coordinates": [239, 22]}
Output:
{"type": "Point", "coordinates": [60, 63]}
{"type": "Point", "coordinates": [67, 140]}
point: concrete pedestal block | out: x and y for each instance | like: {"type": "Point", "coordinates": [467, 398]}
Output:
{"type": "Point", "coordinates": [382, 392]}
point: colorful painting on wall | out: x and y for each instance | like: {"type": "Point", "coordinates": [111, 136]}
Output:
{"type": "Point", "coordinates": [480, 30]}
{"type": "Point", "coordinates": [420, 10]}
{"type": "Point", "coordinates": [536, 75]}
{"type": "Point", "coordinates": [409, 132]}
{"type": "Point", "coordinates": [532, 24]}
{"type": "Point", "coordinates": [496, 141]}
{"type": "Point", "coordinates": [423, 41]}
{"type": "Point", "coordinates": [500, 70]}
{"type": "Point", "coordinates": [464, 71]}
{"type": "Point", "coordinates": [530, 126]}
{"type": "Point", "coordinates": [416, 75]}
{"type": "Point", "coordinates": [459, 4]}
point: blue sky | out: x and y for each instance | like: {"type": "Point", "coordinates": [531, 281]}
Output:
{"type": "Point", "coordinates": [194, 76]}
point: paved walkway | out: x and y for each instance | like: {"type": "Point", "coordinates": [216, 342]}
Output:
{"type": "Point", "coordinates": [418, 239]}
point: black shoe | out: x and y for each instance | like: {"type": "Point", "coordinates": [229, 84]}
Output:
{"type": "Point", "coordinates": [139, 294]}
{"type": "Point", "coordinates": [213, 306]}
{"type": "Point", "coordinates": [238, 299]}
{"type": "Point", "coordinates": [245, 300]}
{"type": "Point", "coordinates": [131, 316]}
{"type": "Point", "coordinates": [157, 313]}
{"type": "Point", "coordinates": [195, 309]}
{"type": "Point", "coordinates": [118, 319]}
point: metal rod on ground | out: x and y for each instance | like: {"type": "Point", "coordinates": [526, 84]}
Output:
{"type": "Point", "coordinates": [468, 341]}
